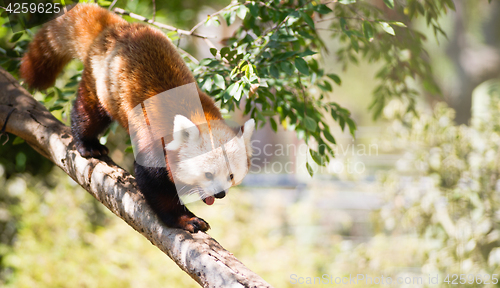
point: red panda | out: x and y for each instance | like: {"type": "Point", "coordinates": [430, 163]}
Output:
{"type": "Point", "coordinates": [124, 65]}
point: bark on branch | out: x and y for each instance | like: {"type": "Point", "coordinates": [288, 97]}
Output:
{"type": "Point", "coordinates": [199, 255]}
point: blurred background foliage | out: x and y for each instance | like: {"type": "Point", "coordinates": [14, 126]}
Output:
{"type": "Point", "coordinates": [425, 204]}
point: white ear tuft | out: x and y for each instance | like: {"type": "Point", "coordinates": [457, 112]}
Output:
{"type": "Point", "coordinates": [184, 130]}
{"type": "Point", "coordinates": [248, 129]}
{"type": "Point", "coordinates": [247, 135]}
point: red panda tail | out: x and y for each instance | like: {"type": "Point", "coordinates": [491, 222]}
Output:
{"type": "Point", "coordinates": [62, 39]}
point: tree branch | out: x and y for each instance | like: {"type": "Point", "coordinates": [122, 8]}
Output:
{"type": "Point", "coordinates": [198, 254]}
{"type": "Point", "coordinates": [159, 25]}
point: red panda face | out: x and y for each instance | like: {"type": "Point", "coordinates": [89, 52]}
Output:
{"type": "Point", "coordinates": [209, 159]}
{"type": "Point", "coordinates": [171, 130]}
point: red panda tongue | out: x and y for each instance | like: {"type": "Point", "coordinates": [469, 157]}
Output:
{"type": "Point", "coordinates": [209, 200]}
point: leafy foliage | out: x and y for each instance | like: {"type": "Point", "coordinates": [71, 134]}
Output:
{"type": "Point", "coordinates": [447, 190]}
{"type": "Point", "coordinates": [271, 66]}
{"type": "Point", "coordinates": [278, 46]}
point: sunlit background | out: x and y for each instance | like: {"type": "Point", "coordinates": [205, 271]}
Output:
{"type": "Point", "coordinates": [410, 196]}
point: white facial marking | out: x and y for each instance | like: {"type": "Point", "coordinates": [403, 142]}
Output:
{"type": "Point", "coordinates": [197, 157]}
{"type": "Point", "coordinates": [185, 131]}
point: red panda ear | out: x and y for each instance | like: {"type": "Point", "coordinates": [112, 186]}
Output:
{"type": "Point", "coordinates": [247, 130]}
{"type": "Point", "coordinates": [184, 130]}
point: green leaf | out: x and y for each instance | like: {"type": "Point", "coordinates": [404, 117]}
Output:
{"type": "Point", "coordinates": [317, 157]}
{"type": "Point", "coordinates": [229, 16]}
{"type": "Point", "coordinates": [273, 124]}
{"type": "Point", "coordinates": [215, 21]}
{"type": "Point", "coordinates": [352, 126]}
{"type": "Point", "coordinates": [129, 149]}
{"type": "Point", "coordinates": [54, 108]}
{"type": "Point", "coordinates": [207, 85]}
{"type": "Point", "coordinates": [301, 65]}
{"type": "Point", "coordinates": [233, 88]}
{"type": "Point", "coordinates": [400, 24]}
{"type": "Point", "coordinates": [104, 3]}
{"type": "Point", "coordinates": [274, 71]}
{"type": "Point", "coordinates": [335, 78]}
{"type": "Point", "coordinates": [322, 9]}
{"type": "Point", "coordinates": [342, 122]}
{"type": "Point", "coordinates": [329, 136]}
{"type": "Point", "coordinates": [335, 116]}
{"type": "Point", "coordinates": [311, 125]}
{"type": "Point", "coordinates": [305, 34]}
{"type": "Point", "coordinates": [354, 43]}
{"type": "Point", "coordinates": [219, 81]}
{"type": "Point", "coordinates": [328, 86]}
{"type": "Point", "coordinates": [307, 19]}
{"type": "Point", "coordinates": [18, 141]}
{"type": "Point", "coordinates": [213, 51]}
{"type": "Point", "coordinates": [324, 88]}
{"type": "Point", "coordinates": [387, 28]}
{"type": "Point", "coordinates": [12, 53]}
{"type": "Point", "coordinates": [367, 30]}
{"type": "Point", "coordinates": [242, 12]}
{"type": "Point", "coordinates": [254, 9]}
{"type": "Point", "coordinates": [343, 26]}
{"type": "Point", "coordinates": [16, 37]}
{"type": "Point", "coordinates": [49, 96]}
{"type": "Point", "coordinates": [287, 67]}
{"type": "Point", "coordinates": [237, 94]}
{"type": "Point", "coordinates": [306, 53]}
{"type": "Point", "coordinates": [389, 3]}
{"type": "Point", "coordinates": [12, 66]}
{"type": "Point", "coordinates": [309, 169]}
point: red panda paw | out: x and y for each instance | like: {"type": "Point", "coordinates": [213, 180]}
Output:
{"type": "Point", "coordinates": [91, 149]}
{"type": "Point", "coordinates": [193, 224]}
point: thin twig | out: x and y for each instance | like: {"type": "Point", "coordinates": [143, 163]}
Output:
{"type": "Point", "coordinates": [276, 27]}
{"type": "Point", "coordinates": [171, 28]}
{"type": "Point", "coordinates": [112, 4]}
{"type": "Point", "coordinates": [154, 10]}
{"type": "Point", "coordinates": [210, 44]}
{"type": "Point", "coordinates": [191, 57]}
{"type": "Point", "coordinates": [233, 4]}
{"type": "Point", "coordinates": [159, 25]}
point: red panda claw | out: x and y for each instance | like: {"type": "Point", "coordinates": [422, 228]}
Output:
{"type": "Point", "coordinates": [94, 150]}
{"type": "Point", "coordinates": [196, 224]}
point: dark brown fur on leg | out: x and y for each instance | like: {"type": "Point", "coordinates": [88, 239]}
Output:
{"type": "Point", "coordinates": [161, 195]}
{"type": "Point", "coordinates": [88, 120]}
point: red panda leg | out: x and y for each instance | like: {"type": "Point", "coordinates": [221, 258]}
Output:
{"type": "Point", "coordinates": [161, 195]}
{"type": "Point", "coordinates": [88, 120]}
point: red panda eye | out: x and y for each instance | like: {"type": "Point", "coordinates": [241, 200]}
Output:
{"type": "Point", "coordinates": [209, 175]}
{"type": "Point", "coordinates": [231, 177]}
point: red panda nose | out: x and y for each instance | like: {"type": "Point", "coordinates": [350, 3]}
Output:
{"type": "Point", "coordinates": [220, 195]}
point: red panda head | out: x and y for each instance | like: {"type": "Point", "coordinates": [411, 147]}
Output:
{"type": "Point", "coordinates": [209, 158]}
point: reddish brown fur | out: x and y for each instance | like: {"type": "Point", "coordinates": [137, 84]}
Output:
{"type": "Point", "coordinates": [48, 53]}
{"type": "Point", "coordinates": [125, 64]}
